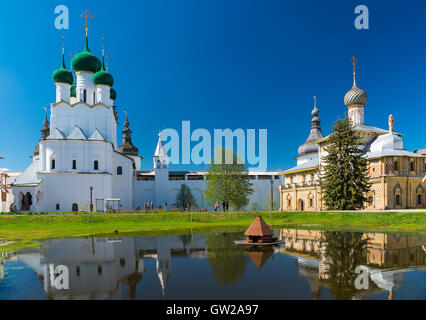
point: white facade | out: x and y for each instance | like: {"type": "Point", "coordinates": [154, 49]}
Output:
{"type": "Point", "coordinates": [78, 164]}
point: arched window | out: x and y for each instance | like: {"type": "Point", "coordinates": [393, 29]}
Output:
{"type": "Point", "coordinates": [52, 165]}
{"type": "Point", "coordinates": [397, 200]}
{"type": "Point", "coordinates": [119, 171]}
{"type": "Point", "coordinates": [74, 207]}
{"type": "Point", "coordinates": [95, 165]}
{"type": "Point", "coordinates": [94, 97]}
{"type": "Point", "coordinates": [74, 164]}
{"type": "Point", "coordinates": [84, 95]}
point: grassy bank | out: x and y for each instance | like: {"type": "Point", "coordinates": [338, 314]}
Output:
{"type": "Point", "coordinates": [25, 230]}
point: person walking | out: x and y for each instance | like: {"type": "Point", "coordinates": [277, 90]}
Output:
{"type": "Point", "coordinates": [165, 205]}
{"type": "Point", "coordinates": [216, 206]}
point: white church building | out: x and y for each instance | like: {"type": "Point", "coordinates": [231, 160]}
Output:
{"type": "Point", "coordinates": [78, 161]}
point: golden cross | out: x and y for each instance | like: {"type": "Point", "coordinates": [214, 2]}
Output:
{"type": "Point", "coordinates": [63, 44]}
{"type": "Point", "coordinates": [86, 15]}
{"type": "Point", "coordinates": [354, 61]}
{"type": "Point", "coordinates": [103, 45]}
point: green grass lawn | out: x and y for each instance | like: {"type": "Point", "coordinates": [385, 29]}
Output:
{"type": "Point", "coordinates": [25, 230]}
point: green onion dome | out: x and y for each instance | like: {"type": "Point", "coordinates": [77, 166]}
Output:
{"type": "Point", "coordinates": [62, 74]}
{"type": "Point", "coordinates": [86, 61]}
{"type": "Point", "coordinates": [113, 94]}
{"type": "Point", "coordinates": [73, 91]}
{"type": "Point", "coordinates": [103, 77]}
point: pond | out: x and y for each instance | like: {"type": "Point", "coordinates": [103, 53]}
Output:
{"type": "Point", "coordinates": [309, 265]}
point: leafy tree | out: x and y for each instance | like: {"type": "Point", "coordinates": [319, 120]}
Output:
{"type": "Point", "coordinates": [343, 252]}
{"type": "Point", "coordinates": [184, 195]}
{"type": "Point", "coordinates": [344, 178]}
{"type": "Point", "coordinates": [228, 181]}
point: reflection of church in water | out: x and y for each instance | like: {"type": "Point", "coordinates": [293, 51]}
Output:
{"type": "Point", "coordinates": [101, 268]}
{"type": "Point", "coordinates": [387, 258]}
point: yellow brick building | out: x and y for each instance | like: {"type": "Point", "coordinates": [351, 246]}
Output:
{"type": "Point", "coordinates": [398, 176]}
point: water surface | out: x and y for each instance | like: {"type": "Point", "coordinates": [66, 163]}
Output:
{"type": "Point", "coordinates": [309, 265]}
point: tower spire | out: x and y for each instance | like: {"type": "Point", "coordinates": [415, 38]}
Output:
{"type": "Point", "coordinates": [315, 105]}
{"type": "Point", "coordinates": [46, 130]}
{"type": "Point", "coordinates": [103, 53]}
{"type": "Point", "coordinates": [127, 147]}
{"type": "Point", "coordinates": [86, 15]}
{"type": "Point", "coordinates": [63, 51]}
{"type": "Point", "coordinates": [354, 61]}
{"type": "Point", "coordinates": [309, 146]}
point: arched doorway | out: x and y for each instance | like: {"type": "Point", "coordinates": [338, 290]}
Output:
{"type": "Point", "coordinates": [26, 202]}
{"type": "Point", "coordinates": [74, 207]}
{"type": "Point", "coordinates": [300, 205]}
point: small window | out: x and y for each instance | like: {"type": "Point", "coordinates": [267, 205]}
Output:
{"type": "Point", "coordinates": [99, 270]}
{"type": "Point", "coordinates": [397, 200]}
{"type": "Point", "coordinates": [74, 207]}
{"type": "Point", "coordinates": [74, 164]}
{"type": "Point", "coordinates": [95, 165]}
{"type": "Point", "coordinates": [58, 207]}
{"type": "Point", "coordinates": [77, 271]}
{"type": "Point", "coordinates": [122, 262]}
{"type": "Point", "coordinates": [84, 95]}
{"type": "Point", "coordinates": [119, 171]}
{"type": "Point", "coordinates": [395, 165]}
{"type": "Point", "coordinates": [94, 97]}
{"type": "Point", "coordinates": [52, 166]}
{"type": "Point", "coordinates": [311, 202]}
{"type": "Point", "coordinates": [419, 199]}
{"type": "Point", "coordinates": [411, 166]}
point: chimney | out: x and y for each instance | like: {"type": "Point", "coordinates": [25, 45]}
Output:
{"type": "Point", "coordinates": [391, 123]}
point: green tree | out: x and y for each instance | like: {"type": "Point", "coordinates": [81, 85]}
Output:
{"type": "Point", "coordinates": [343, 252]}
{"type": "Point", "coordinates": [228, 181]}
{"type": "Point", "coordinates": [344, 179]}
{"type": "Point", "coordinates": [184, 195]}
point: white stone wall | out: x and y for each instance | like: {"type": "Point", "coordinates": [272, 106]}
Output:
{"type": "Point", "coordinates": [66, 117]}
{"type": "Point", "coordinates": [163, 189]}
{"type": "Point", "coordinates": [356, 115]}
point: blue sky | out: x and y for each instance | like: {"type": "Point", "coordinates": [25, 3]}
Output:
{"type": "Point", "coordinates": [220, 64]}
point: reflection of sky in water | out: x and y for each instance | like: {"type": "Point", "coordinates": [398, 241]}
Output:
{"type": "Point", "coordinates": [202, 267]}
{"type": "Point", "coordinates": [20, 282]}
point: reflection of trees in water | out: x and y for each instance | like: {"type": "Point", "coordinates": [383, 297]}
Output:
{"type": "Point", "coordinates": [186, 240]}
{"type": "Point", "coordinates": [342, 253]}
{"type": "Point", "coordinates": [227, 260]}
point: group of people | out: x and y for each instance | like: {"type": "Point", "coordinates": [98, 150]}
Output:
{"type": "Point", "coordinates": [225, 206]}
{"type": "Point", "coordinates": [148, 206]}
